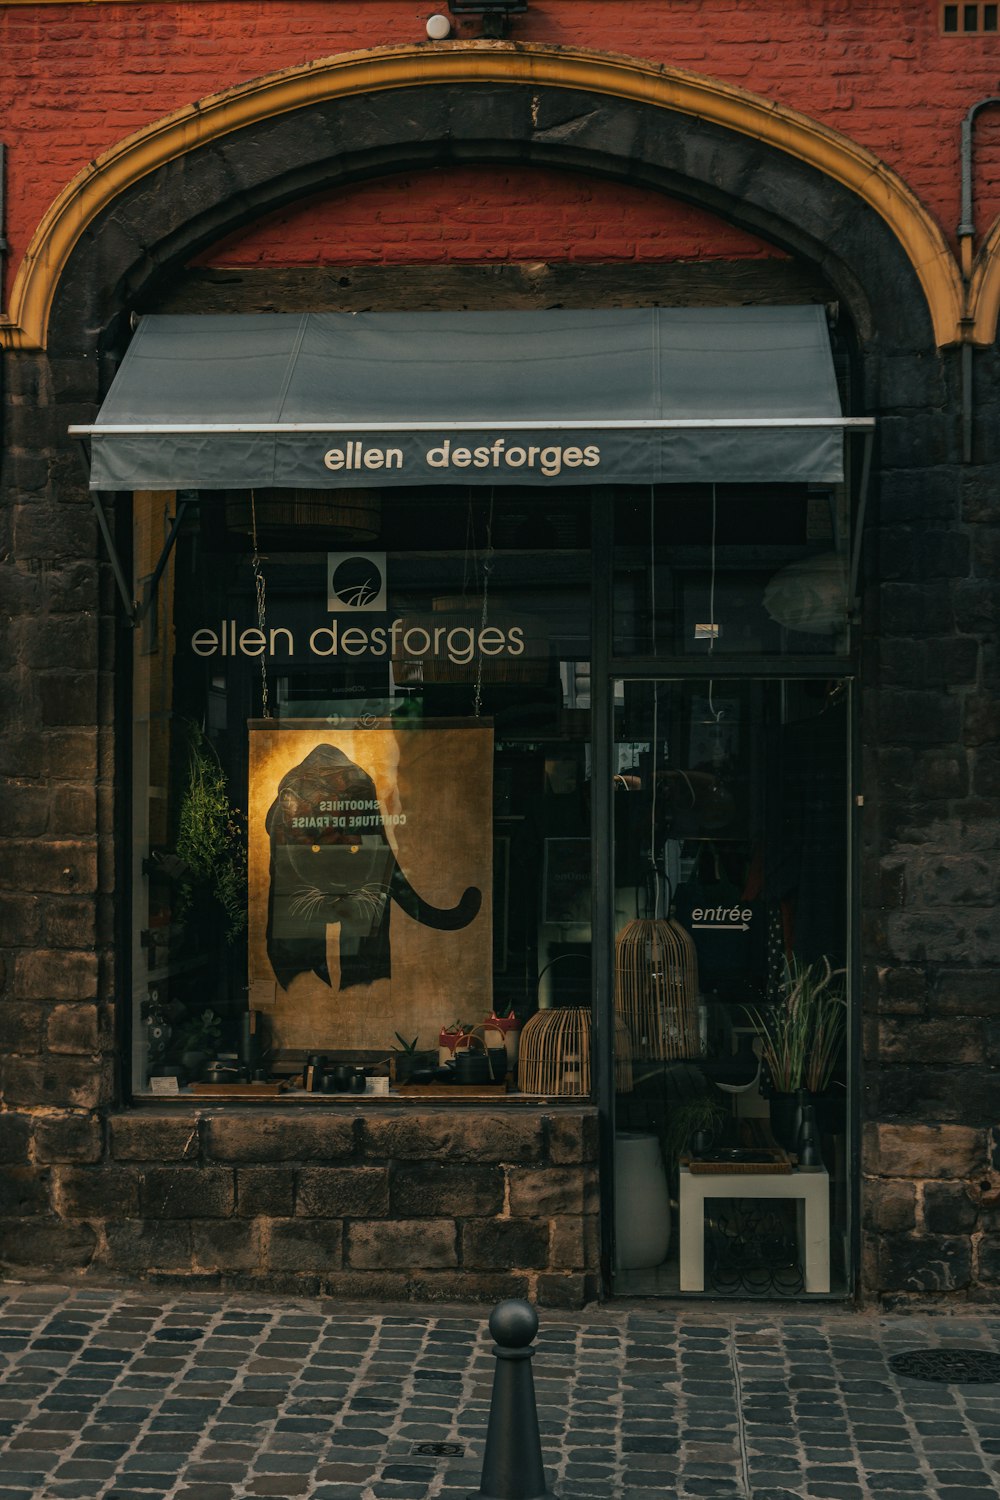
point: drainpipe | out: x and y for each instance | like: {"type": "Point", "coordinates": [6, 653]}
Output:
{"type": "Point", "coordinates": [4, 247]}
{"type": "Point", "coordinates": [966, 245]}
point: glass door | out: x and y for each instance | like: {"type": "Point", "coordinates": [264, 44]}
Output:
{"type": "Point", "coordinates": [731, 870]}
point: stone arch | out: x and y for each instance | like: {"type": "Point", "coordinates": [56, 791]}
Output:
{"type": "Point", "coordinates": [984, 288]}
{"type": "Point", "coordinates": [137, 213]}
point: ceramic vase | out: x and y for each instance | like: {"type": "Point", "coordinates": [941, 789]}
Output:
{"type": "Point", "coordinates": [786, 1117]}
{"type": "Point", "coordinates": [642, 1202]}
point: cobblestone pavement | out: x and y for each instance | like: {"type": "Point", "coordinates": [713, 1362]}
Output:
{"type": "Point", "coordinates": [149, 1393]}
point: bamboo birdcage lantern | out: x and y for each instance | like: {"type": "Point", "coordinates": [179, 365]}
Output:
{"type": "Point", "coordinates": [554, 1054]}
{"type": "Point", "coordinates": [350, 516]}
{"type": "Point", "coordinates": [656, 988]}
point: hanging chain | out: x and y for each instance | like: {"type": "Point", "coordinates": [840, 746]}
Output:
{"type": "Point", "coordinates": [654, 870]}
{"type": "Point", "coordinates": [470, 547]}
{"type": "Point", "coordinates": [487, 570]}
{"type": "Point", "coordinates": [653, 866]}
{"type": "Point", "coordinates": [716, 714]}
{"type": "Point", "coordinates": [258, 578]}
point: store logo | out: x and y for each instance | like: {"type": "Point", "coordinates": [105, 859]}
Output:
{"type": "Point", "coordinates": [355, 580]}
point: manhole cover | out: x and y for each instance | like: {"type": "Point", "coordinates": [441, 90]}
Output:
{"type": "Point", "coordinates": [949, 1366]}
{"type": "Point", "coordinates": [438, 1450]}
{"type": "Point", "coordinates": [178, 1335]}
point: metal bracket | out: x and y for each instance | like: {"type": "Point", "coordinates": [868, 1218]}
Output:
{"type": "Point", "coordinates": [131, 605]}
{"type": "Point", "coordinates": [135, 612]}
{"type": "Point", "coordinates": [164, 558]}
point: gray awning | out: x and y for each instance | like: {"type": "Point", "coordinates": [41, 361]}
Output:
{"type": "Point", "coordinates": [625, 396]}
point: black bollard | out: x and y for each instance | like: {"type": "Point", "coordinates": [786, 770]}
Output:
{"type": "Point", "coordinates": [512, 1462]}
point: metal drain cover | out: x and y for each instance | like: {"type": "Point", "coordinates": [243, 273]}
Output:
{"type": "Point", "coordinates": [438, 1450]}
{"type": "Point", "coordinates": [949, 1366]}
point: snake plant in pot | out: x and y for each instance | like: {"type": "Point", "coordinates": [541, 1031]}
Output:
{"type": "Point", "coordinates": [801, 1037]}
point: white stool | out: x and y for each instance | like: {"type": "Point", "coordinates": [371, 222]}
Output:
{"type": "Point", "coordinates": [809, 1186]}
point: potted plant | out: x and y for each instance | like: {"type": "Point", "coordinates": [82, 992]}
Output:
{"type": "Point", "coordinates": [801, 1037]}
{"type": "Point", "coordinates": [405, 1059]}
{"type": "Point", "coordinates": [210, 850]}
{"type": "Point", "coordinates": [450, 1038]}
{"type": "Point", "coordinates": [692, 1124]}
{"type": "Point", "coordinates": [199, 1041]}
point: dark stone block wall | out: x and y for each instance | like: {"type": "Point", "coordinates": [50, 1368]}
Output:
{"type": "Point", "coordinates": [58, 1046]}
{"type": "Point", "coordinates": [931, 848]}
{"type": "Point", "coordinates": [386, 1203]}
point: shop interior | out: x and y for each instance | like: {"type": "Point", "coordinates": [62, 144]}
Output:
{"type": "Point", "coordinates": [363, 795]}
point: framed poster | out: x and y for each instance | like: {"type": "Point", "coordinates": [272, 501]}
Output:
{"type": "Point", "coordinates": [370, 879]}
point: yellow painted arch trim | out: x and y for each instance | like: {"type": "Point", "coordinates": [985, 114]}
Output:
{"type": "Point", "coordinates": [984, 288]}
{"type": "Point", "coordinates": [371, 71]}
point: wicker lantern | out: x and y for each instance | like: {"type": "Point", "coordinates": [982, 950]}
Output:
{"type": "Point", "coordinates": [656, 988]}
{"type": "Point", "coordinates": [554, 1055]}
{"type": "Point", "coordinates": [351, 516]}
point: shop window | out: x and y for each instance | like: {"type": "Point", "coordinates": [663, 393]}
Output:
{"type": "Point", "coordinates": [731, 915]}
{"type": "Point", "coordinates": [732, 570]}
{"type": "Point", "coordinates": [361, 789]}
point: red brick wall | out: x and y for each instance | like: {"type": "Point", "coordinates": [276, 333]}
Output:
{"type": "Point", "coordinates": [483, 214]}
{"type": "Point", "coordinates": [77, 78]}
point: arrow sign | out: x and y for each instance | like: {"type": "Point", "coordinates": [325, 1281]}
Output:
{"type": "Point", "coordinates": [722, 918]}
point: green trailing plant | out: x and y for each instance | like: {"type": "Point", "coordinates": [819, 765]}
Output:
{"type": "Point", "coordinates": [202, 1033]}
{"type": "Point", "coordinates": [211, 839]}
{"type": "Point", "coordinates": [685, 1118]}
{"type": "Point", "coordinates": [802, 1035]}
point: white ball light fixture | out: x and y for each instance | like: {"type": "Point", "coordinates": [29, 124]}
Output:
{"type": "Point", "coordinates": [438, 28]}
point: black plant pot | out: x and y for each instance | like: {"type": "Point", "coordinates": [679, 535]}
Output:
{"type": "Point", "coordinates": [786, 1117]}
{"type": "Point", "coordinates": [403, 1065]}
